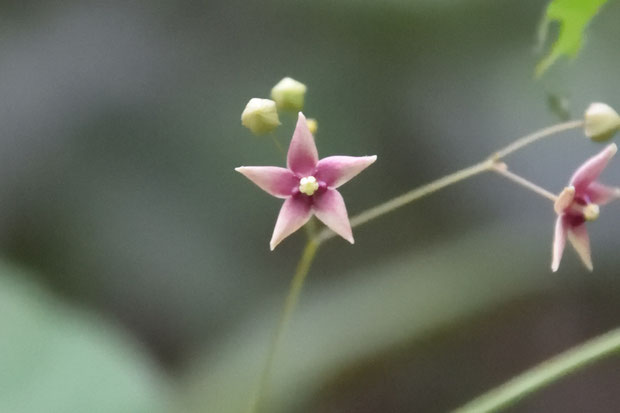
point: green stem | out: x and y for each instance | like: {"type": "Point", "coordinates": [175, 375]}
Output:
{"type": "Point", "coordinates": [411, 196]}
{"type": "Point", "coordinates": [545, 374]}
{"type": "Point", "coordinates": [533, 137]}
{"type": "Point", "coordinates": [502, 169]}
{"type": "Point", "coordinates": [424, 190]}
{"type": "Point", "coordinates": [276, 142]}
{"type": "Point", "coordinates": [307, 257]}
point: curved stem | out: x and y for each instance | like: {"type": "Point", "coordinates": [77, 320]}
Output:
{"type": "Point", "coordinates": [290, 303]}
{"type": "Point", "coordinates": [411, 196]}
{"type": "Point", "coordinates": [533, 137]}
{"type": "Point", "coordinates": [455, 177]}
{"type": "Point", "coordinates": [545, 374]}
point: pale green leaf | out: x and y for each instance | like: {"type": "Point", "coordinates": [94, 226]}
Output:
{"type": "Point", "coordinates": [573, 17]}
{"type": "Point", "coordinates": [55, 358]}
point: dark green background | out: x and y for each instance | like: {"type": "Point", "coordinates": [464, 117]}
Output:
{"type": "Point", "coordinates": [120, 130]}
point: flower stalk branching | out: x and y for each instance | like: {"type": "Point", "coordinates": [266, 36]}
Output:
{"type": "Point", "coordinates": [493, 163]}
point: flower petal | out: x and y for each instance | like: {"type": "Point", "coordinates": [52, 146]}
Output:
{"type": "Point", "coordinates": [578, 237]}
{"type": "Point", "coordinates": [329, 207]}
{"type": "Point", "coordinates": [559, 242]}
{"type": "Point", "coordinates": [336, 170]}
{"type": "Point", "coordinates": [278, 182]}
{"type": "Point", "coordinates": [592, 168]}
{"type": "Point", "coordinates": [602, 194]}
{"type": "Point", "coordinates": [302, 154]}
{"type": "Point", "coordinates": [295, 212]}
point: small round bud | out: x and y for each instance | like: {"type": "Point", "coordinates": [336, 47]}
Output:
{"type": "Point", "coordinates": [313, 125]}
{"type": "Point", "coordinates": [289, 94]}
{"type": "Point", "coordinates": [601, 122]}
{"type": "Point", "coordinates": [260, 116]}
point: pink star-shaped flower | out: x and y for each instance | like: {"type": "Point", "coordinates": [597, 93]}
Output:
{"type": "Point", "coordinates": [579, 202]}
{"type": "Point", "coordinates": [308, 185]}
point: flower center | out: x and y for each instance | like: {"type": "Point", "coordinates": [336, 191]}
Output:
{"type": "Point", "coordinates": [590, 212]}
{"type": "Point", "coordinates": [308, 185]}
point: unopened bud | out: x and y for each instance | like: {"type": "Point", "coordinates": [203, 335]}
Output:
{"type": "Point", "coordinates": [289, 94]}
{"type": "Point", "coordinates": [601, 122]}
{"type": "Point", "coordinates": [260, 116]}
{"type": "Point", "coordinates": [313, 125]}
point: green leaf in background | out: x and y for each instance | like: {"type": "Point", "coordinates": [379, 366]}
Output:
{"type": "Point", "coordinates": [573, 17]}
{"type": "Point", "coordinates": [57, 359]}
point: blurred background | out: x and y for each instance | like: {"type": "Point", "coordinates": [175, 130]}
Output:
{"type": "Point", "coordinates": [136, 274]}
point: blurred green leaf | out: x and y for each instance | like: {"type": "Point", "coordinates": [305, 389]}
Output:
{"type": "Point", "coordinates": [573, 17]}
{"type": "Point", "coordinates": [56, 359]}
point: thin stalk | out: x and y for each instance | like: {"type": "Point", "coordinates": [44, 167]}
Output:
{"type": "Point", "coordinates": [502, 170]}
{"type": "Point", "coordinates": [307, 257]}
{"type": "Point", "coordinates": [276, 142]}
{"type": "Point", "coordinates": [486, 165]}
{"type": "Point", "coordinates": [545, 374]}
{"type": "Point", "coordinates": [411, 196]}
{"type": "Point", "coordinates": [533, 137]}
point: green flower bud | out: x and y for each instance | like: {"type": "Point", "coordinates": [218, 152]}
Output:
{"type": "Point", "coordinates": [289, 94]}
{"type": "Point", "coordinates": [260, 116]}
{"type": "Point", "coordinates": [601, 122]}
